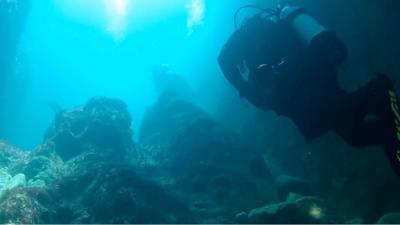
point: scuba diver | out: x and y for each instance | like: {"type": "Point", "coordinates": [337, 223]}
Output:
{"type": "Point", "coordinates": [285, 61]}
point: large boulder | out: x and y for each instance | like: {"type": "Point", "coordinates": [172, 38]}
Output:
{"type": "Point", "coordinates": [20, 206]}
{"type": "Point", "coordinates": [43, 166]}
{"type": "Point", "coordinates": [109, 194]}
{"type": "Point", "coordinates": [103, 123]}
{"type": "Point", "coordinates": [81, 175]}
{"type": "Point", "coordinates": [186, 149]}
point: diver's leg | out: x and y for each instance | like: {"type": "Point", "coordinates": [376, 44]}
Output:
{"type": "Point", "coordinates": [362, 134]}
{"type": "Point", "coordinates": [379, 98]}
{"type": "Point", "coordinates": [352, 122]}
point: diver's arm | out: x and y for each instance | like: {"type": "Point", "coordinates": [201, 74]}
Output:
{"type": "Point", "coordinates": [230, 57]}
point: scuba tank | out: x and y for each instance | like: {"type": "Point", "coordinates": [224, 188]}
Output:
{"type": "Point", "coordinates": [321, 42]}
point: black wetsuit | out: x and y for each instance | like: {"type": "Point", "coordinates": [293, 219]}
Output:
{"type": "Point", "coordinates": [305, 89]}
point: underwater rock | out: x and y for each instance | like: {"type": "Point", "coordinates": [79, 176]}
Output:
{"type": "Point", "coordinates": [42, 165]}
{"type": "Point", "coordinates": [42, 168]}
{"type": "Point", "coordinates": [12, 158]}
{"type": "Point", "coordinates": [126, 198]}
{"type": "Point", "coordinates": [8, 182]}
{"type": "Point", "coordinates": [18, 180]}
{"type": "Point", "coordinates": [36, 183]}
{"type": "Point", "coordinates": [18, 206]}
{"type": "Point", "coordinates": [113, 194]}
{"type": "Point", "coordinates": [288, 184]}
{"type": "Point", "coordinates": [212, 165]}
{"type": "Point", "coordinates": [293, 197]}
{"type": "Point", "coordinates": [302, 211]}
{"type": "Point", "coordinates": [242, 218]}
{"type": "Point", "coordinates": [89, 160]}
{"type": "Point", "coordinates": [391, 218]}
{"type": "Point", "coordinates": [166, 122]}
{"type": "Point", "coordinates": [91, 182]}
{"type": "Point", "coordinates": [37, 165]}
{"type": "Point", "coordinates": [103, 122]}
{"type": "Point", "coordinates": [5, 177]}
{"type": "Point", "coordinates": [362, 185]}
{"type": "Point", "coordinates": [355, 221]}
{"type": "Point", "coordinates": [168, 83]}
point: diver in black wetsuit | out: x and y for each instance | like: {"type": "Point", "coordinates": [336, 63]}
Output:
{"type": "Point", "coordinates": [283, 60]}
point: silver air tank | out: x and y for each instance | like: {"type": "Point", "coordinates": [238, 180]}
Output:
{"type": "Point", "coordinates": [320, 41]}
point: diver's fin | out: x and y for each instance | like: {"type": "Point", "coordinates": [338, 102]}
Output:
{"type": "Point", "coordinates": [391, 123]}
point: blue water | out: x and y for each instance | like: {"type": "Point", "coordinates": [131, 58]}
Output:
{"type": "Point", "coordinates": [215, 155]}
{"type": "Point", "coordinates": [74, 50]}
